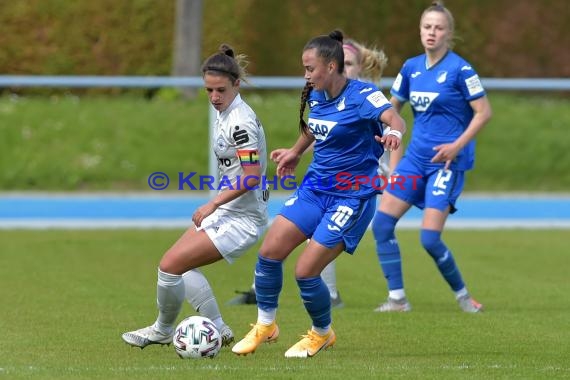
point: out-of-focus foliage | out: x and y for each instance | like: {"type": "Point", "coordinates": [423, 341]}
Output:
{"type": "Point", "coordinates": [501, 38]}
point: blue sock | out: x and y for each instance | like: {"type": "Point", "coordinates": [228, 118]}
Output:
{"type": "Point", "coordinates": [317, 300]}
{"type": "Point", "coordinates": [268, 282]}
{"type": "Point", "coordinates": [431, 241]}
{"type": "Point", "coordinates": [387, 249]}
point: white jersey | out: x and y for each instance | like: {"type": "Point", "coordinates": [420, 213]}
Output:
{"type": "Point", "coordinates": [239, 140]}
{"type": "Point", "coordinates": [384, 164]}
{"type": "Point", "coordinates": [384, 161]}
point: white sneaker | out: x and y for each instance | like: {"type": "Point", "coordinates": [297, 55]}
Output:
{"type": "Point", "coordinates": [469, 305]}
{"type": "Point", "coordinates": [392, 305]}
{"type": "Point", "coordinates": [146, 336]}
{"type": "Point", "coordinates": [227, 335]}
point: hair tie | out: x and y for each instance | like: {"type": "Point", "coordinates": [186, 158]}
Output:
{"type": "Point", "coordinates": [211, 68]}
{"type": "Point", "coordinates": [352, 48]}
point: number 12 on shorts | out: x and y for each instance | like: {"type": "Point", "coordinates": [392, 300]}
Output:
{"type": "Point", "coordinates": [440, 183]}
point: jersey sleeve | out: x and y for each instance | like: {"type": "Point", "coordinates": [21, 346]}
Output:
{"type": "Point", "coordinates": [373, 104]}
{"type": "Point", "coordinates": [401, 86]}
{"type": "Point", "coordinates": [245, 136]}
{"type": "Point", "coordinates": [469, 83]}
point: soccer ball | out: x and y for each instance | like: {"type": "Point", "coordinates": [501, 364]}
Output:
{"type": "Point", "coordinates": [197, 337]}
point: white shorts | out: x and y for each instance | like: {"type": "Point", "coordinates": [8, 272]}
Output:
{"type": "Point", "coordinates": [384, 164]}
{"type": "Point", "coordinates": [232, 235]}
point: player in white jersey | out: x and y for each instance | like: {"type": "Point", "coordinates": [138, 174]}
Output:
{"type": "Point", "coordinates": [230, 223]}
{"type": "Point", "coordinates": [450, 107]}
{"type": "Point", "coordinates": [366, 64]}
{"type": "Point", "coordinates": [239, 143]}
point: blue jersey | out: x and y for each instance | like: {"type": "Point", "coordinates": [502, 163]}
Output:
{"type": "Point", "coordinates": [439, 97]}
{"type": "Point", "coordinates": [345, 158]}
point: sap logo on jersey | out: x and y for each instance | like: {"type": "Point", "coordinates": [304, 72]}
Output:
{"type": "Point", "coordinates": [321, 128]}
{"type": "Point", "coordinates": [422, 100]}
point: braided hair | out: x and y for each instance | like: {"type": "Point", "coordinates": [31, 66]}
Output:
{"type": "Point", "coordinates": [328, 47]}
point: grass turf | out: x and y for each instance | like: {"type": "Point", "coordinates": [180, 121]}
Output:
{"type": "Point", "coordinates": [68, 295]}
{"type": "Point", "coordinates": [94, 143]}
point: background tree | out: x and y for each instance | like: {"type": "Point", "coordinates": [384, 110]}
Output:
{"type": "Point", "coordinates": [187, 41]}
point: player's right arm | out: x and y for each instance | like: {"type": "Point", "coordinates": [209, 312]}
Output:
{"type": "Point", "coordinates": [396, 154]}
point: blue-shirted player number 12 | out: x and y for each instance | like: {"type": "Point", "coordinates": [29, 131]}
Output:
{"type": "Point", "coordinates": [440, 184]}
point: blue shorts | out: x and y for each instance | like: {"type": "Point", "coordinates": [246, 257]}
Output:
{"type": "Point", "coordinates": [426, 187]}
{"type": "Point", "coordinates": [330, 219]}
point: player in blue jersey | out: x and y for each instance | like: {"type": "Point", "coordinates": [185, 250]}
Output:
{"type": "Point", "coordinates": [336, 201]}
{"type": "Point", "coordinates": [365, 64]}
{"type": "Point", "coordinates": [450, 107]}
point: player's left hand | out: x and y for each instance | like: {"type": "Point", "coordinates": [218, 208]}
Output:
{"type": "Point", "coordinates": [277, 154]}
{"type": "Point", "coordinates": [445, 153]}
{"type": "Point", "coordinates": [203, 212]}
{"type": "Point", "coordinates": [286, 161]}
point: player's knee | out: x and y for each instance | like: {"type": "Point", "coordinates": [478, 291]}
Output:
{"type": "Point", "coordinates": [431, 241]}
{"type": "Point", "coordinates": [305, 269]}
{"type": "Point", "coordinates": [169, 265]}
{"type": "Point", "coordinates": [383, 226]}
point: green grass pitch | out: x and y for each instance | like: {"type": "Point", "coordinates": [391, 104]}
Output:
{"type": "Point", "coordinates": [68, 295]}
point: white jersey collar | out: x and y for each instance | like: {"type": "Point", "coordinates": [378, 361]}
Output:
{"type": "Point", "coordinates": [236, 102]}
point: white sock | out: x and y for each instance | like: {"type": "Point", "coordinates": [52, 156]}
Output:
{"type": "Point", "coordinates": [461, 293]}
{"type": "Point", "coordinates": [321, 331]}
{"type": "Point", "coordinates": [219, 322]}
{"type": "Point", "coordinates": [266, 317]}
{"type": "Point", "coordinates": [200, 295]}
{"type": "Point", "coordinates": [169, 298]}
{"type": "Point", "coordinates": [329, 277]}
{"type": "Point", "coordinates": [397, 294]}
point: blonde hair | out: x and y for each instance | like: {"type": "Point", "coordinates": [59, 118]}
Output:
{"type": "Point", "coordinates": [437, 6]}
{"type": "Point", "coordinates": [372, 61]}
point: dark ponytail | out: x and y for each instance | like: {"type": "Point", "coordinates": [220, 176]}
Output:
{"type": "Point", "coordinates": [329, 48]}
{"type": "Point", "coordinates": [303, 127]}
